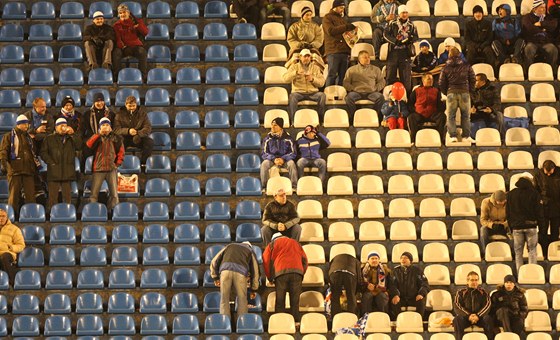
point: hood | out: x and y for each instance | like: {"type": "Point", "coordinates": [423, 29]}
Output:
{"type": "Point", "coordinates": [506, 7]}
{"type": "Point", "coordinates": [524, 183]}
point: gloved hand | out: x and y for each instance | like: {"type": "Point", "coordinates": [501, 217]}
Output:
{"type": "Point", "coordinates": [136, 139]}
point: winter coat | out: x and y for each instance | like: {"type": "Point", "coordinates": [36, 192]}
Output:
{"type": "Point", "coordinates": [89, 128]}
{"type": "Point", "coordinates": [109, 152]}
{"type": "Point", "coordinates": [394, 109]}
{"type": "Point", "coordinates": [239, 258]}
{"type": "Point", "coordinates": [305, 35]}
{"type": "Point", "coordinates": [515, 301]}
{"type": "Point", "coordinates": [275, 213]}
{"type": "Point", "coordinates": [60, 156]}
{"type": "Point", "coordinates": [506, 28]}
{"type": "Point", "coordinates": [126, 35]}
{"type": "Point", "coordinates": [549, 190]}
{"type": "Point", "coordinates": [479, 33]}
{"type": "Point", "coordinates": [381, 10]}
{"type": "Point", "coordinates": [456, 77]}
{"type": "Point", "coordinates": [284, 255]}
{"type": "Point", "coordinates": [491, 213]}
{"type": "Point", "coordinates": [138, 120]}
{"type": "Point", "coordinates": [444, 56]}
{"type": "Point", "coordinates": [400, 37]}
{"type": "Point", "coordinates": [278, 147]}
{"type": "Point", "coordinates": [299, 83]}
{"type": "Point", "coordinates": [370, 275]}
{"type": "Point", "coordinates": [426, 101]}
{"type": "Point", "coordinates": [485, 96]}
{"type": "Point", "coordinates": [333, 27]}
{"type": "Point", "coordinates": [472, 301]}
{"type": "Point", "coordinates": [104, 32]}
{"type": "Point", "coordinates": [410, 282]}
{"type": "Point", "coordinates": [347, 263]}
{"type": "Point", "coordinates": [11, 239]}
{"type": "Point", "coordinates": [35, 120]}
{"type": "Point", "coordinates": [544, 34]}
{"type": "Point", "coordinates": [524, 208]}
{"type": "Point", "coordinates": [24, 164]}
{"type": "Point", "coordinates": [424, 62]}
{"type": "Point", "coordinates": [309, 148]}
{"type": "Point", "coordinates": [75, 121]}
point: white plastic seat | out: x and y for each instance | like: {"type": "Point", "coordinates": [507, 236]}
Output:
{"type": "Point", "coordinates": [275, 95]}
{"type": "Point", "coordinates": [409, 322]}
{"type": "Point", "coordinates": [378, 322]}
{"type": "Point", "coordinates": [540, 72]}
{"type": "Point", "coordinates": [372, 231]}
{"type": "Point", "coordinates": [369, 161]}
{"type": "Point", "coordinates": [490, 183]}
{"type": "Point", "coordinates": [335, 94]}
{"type": "Point", "coordinates": [542, 93]}
{"type": "Point", "coordinates": [281, 323]}
{"type": "Point", "coordinates": [547, 136]}
{"type": "Point", "coordinates": [518, 136]}
{"type": "Point", "coordinates": [366, 29]}
{"type": "Point", "coordinates": [397, 138]}
{"type": "Point", "coordinates": [488, 137]}
{"type": "Point", "coordinates": [313, 323]}
{"type": "Point", "coordinates": [341, 232]}
{"type": "Point", "coordinates": [447, 28]}
{"type": "Point", "coordinates": [377, 247]}
{"type": "Point", "coordinates": [370, 185]}
{"type": "Point", "coordinates": [361, 46]}
{"type": "Point", "coordinates": [475, 335]}
{"type": "Point", "coordinates": [554, 251]}
{"type": "Point", "coordinates": [399, 161]}
{"type": "Point", "coordinates": [342, 248]}
{"type": "Point", "coordinates": [273, 75]}
{"type": "Point", "coordinates": [418, 8]}
{"type": "Point", "coordinates": [336, 118]}
{"type": "Point", "coordinates": [309, 209]}
{"type": "Point", "coordinates": [339, 139]}
{"type": "Point", "coordinates": [314, 302]}
{"type": "Point", "coordinates": [436, 252]}
{"type": "Point", "coordinates": [366, 118]}
{"type": "Point", "coordinates": [340, 185]}
{"type": "Point", "coordinates": [439, 300]}
{"type": "Point", "coordinates": [515, 111]}
{"type": "Point", "coordinates": [309, 185]}
{"type": "Point", "coordinates": [538, 321]}
{"type": "Point", "coordinates": [446, 8]}
{"type": "Point", "coordinates": [433, 230]}
{"type": "Point", "coordinates": [441, 48]}
{"type": "Point", "coordinates": [402, 230]}
{"type": "Point", "coordinates": [437, 275]}
{"type": "Point", "coordinates": [462, 206]}
{"type": "Point", "coordinates": [369, 139]}
{"type": "Point", "coordinates": [459, 160]}
{"type": "Point", "coordinates": [545, 115]}
{"type": "Point", "coordinates": [490, 160]}
{"type": "Point", "coordinates": [461, 184]}
{"type": "Point", "coordinates": [296, 11]}
{"type": "Point", "coordinates": [339, 162]}
{"type": "Point", "coordinates": [556, 300]}
{"type": "Point", "coordinates": [401, 208]}
{"type": "Point", "coordinates": [464, 230]}
{"type": "Point", "coordinates": [371, 208]}
{"type": "Point", "coordinates": [315, 253]}
{"type": "Point", "coordinates": [512, 93]}
{"type": "Point", "coordinates": [304, 117]}
{"type": "Point", "coordinates": [273, 31]}
{"type": "Point", "coordinates": [274, 113]}
{"type": "Point", "coordinates": [496, 272]}
{"type": "Point", "coordinates": [548, 154]}
{"type": "Point", "coordinates": [511, 72]}
{"type": "Point", "coordinates": [487, 69]}
{"type": "Point", "coordinates": [539, 336]}
{"type": "Point", "coordinates": [429, 161]}
{"type": "Point", "coordinates": [359, 8]}
{"type": "Point", "coordinates": [422, 27]}
{"type": "Point", "coordinates": [275, 53]}
{"type": "Point", "coordinates": [469, 4]}
{"type": "Point", "coordinates": [520, 160]}
{"type": "Point", "coordinates": [400, 185]}
{"type": "Point", "coordinates": [531, 274]}
{"type": "Point", "coordinates": [340, 208]}
{"type": "Point", "coordinates": [432, 207]}
{"type": "Point", "coordinates": [399, 248]}
{"type": "Point", "coordinates": [276, 183]}
{"type": "Point", "coordinates": [498, 252]}
{"type": "Point", "coordinates": [462, 270]}
{"type": "Point", "coordinates": [431, 184]}
{"type": "Point", "coordinates": [536, 299]}
{"type": "Point", "coordinates": [342, 320]}
{"type": "Point", "coordinates": [427, 138]}
{"type": "Point", "coordinates": [280, 336]}
{"type": "Point", "coordinates": [325, 7]}
{"type": "Point", "coordinates": [345, 337]}
{"type": "Point", "coordinates": [311, 232]}
{"type": "Point", "coordinates": [434, 326]}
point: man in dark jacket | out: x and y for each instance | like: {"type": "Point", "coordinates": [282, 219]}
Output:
{"type": "Point", "coordinates": [485, 106]}
{"type": "Point", "coordinates": [235, 267]}
{"type": "Point", "coordinates": [99, 39]}
{"type": "Point", "coordinates": [71, 115]}
{"type": "Point", "coordinates": [539, 31]}
{"type": "Point", "coordinates": [59, 154]}
{"type": "Point", "coordinates": [471, 306]}
{"type": "Point", "coordinates": [309, 145]}
{"type": "Point", "coordinates": [278, 150]}
{"type": "Point", "coordinates": [524, 212]}
{"type": "Point", "coordinates": [507, 40]}
{"type": "Point", "coordinates": [383, 12]}
{"type": "Point", "coordinates": [426, 106]}
{"type": "Point", "coordinates": [344, 273]}
{"type": "Point", "coordinates": [547, 182]}
{"type": "Point", "coordinates": [280, 216]}
{"type": "Point", "coordinates": [41, 122]}
{"type": "Point", "coordinates": [129, 33]}
{"type": "Point", "coordinates": [456, 81]}
{"type": "Point", "coordinates": [91, 118]}
{"type": "Point", "coordinates": [379, 285]}
{"type": "Point", "coordinates": [478, 38]}
{"type": "Point", "coordinates": [412, 287]}
{"type": "Point", "coordinates": [285, 264]}
{"type": "Point", "coordinates": [509, 306]}
{"type": "Point", "coordinates": [132, 123]}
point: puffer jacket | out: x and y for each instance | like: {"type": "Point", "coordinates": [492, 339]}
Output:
{"type": "Point", "coordinates": [299, 83]}
{"type": "Point", "coordinates": [109, 151]}
{"type": "Point", "coordinates": [472, 301]}
{"type": "Point", "coordinates": [11, 239]}
{"type": "Point", "coordinates": [126, 35]}
{"type": "Point", "coordinates": [309, 148]}
{"type": "Point", "coordinates": [506, 28]}
{"type": "Point", "coordinates": [275, 213]}
{"type": "Point", "coordinates": [491, 213]}
{"type": "Point", "coordinates": [59, 152]}
{"type": "Point", "coordinates": [410, 281]}
{"type": "Point", "coordinates": [333, 27]}
{"type": "Point", "coordinates": [138, 120]}
{"type": "Point", "coordinates": [305, 35]}
{"type": "Point", "coordinates": [485, 96]}
{"type": "Point", "coordinates": [284, 256]}
{"type": "Point", "coordinates": [456, 77]}
{"type": "Point", "coordinates": [278, 147]}
{"type": "Point", "coordinates": [515, 301]}
{"type": "Point", "coordinates": [524, 208]}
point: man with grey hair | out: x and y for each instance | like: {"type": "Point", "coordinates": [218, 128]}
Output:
{"type": "Point", "coordinates": [99, 39]}
{"type": "Point", "coordinates": [280, 216]}
{"type": "Point", "coordinates": [132, 123]}
{"type": "Point", "coordinates": [129, 34]}
{"type": "Point", "coordinates": [493, 218]}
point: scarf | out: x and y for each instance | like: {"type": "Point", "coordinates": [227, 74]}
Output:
{"type": "Point", "coordinates": [15, 142]}
{"type": "Point", "coordinates": [69, 114]}
{"type": "Point", "coordinates": [380, 275]}
{"type": "Point", "coordinates": [403, 30]}
{"type": "Point", "coordinates": [93, 121]}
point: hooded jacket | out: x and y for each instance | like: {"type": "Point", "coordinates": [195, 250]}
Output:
{"type": "Point", "coordinates": [544, 34]}
{"type": "Point", "coordinates": [491, 213]}
{"type": "Point", "coordinates": [472, 301]}
{"type": "Point", "coordinates": [309, 148]}
{"type": "Point", "coordinates": [334, 25]}
{"type": "Point", "coordinates": [514, 301]}
{"type": "Point", "coordinates": [299, 83]}
{"type": "Point", "coordinates": [485, 96]}
{"type": "Point", "coordinates": [278, 147]}
{"type": "Point", "coordinates": [456, 77]}
{"type": "Point", "coordinates": [524, 208]}
{"type": "Point", "coordinates": [239, 258]}
{"type": "Point", "coordinates": [506, 28]}
{"type": "Point", "coordinates": [11, 239]}
{"type": "Point", "coordinates": [59, 152]}
{"type": "Point", "coordinates": [284, 256]}
{"type": "Point", "coordinates": [394, 109]}
{"type": "Point", "coordinates": [305, 35]}
{"type": "Point", "coordinates": [410, 282]}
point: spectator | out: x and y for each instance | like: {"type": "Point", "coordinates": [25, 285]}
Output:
{"type": "Point", "coordinates": [11, 244]}
{"type": "Point", "coordinates": [278, 151]}
{"type": "Point", "coordinates": [99, 40]}
{"type": "Point", "coordinates": [90, 119]}
{"type": "Point", "coordinates": [41, 123]}
{"type": "Point", "coordinates": [524, 214]}
{"type": "Point", "coordinates": [363, 81]}
{"type": "Point", "coordinates": [401, 35]}
{"type": "Point", "coordinates": [485, 106]}
{"type": "Point", "coordinates": [285, 263]}
{"type": "Point", "coordinates": [426, 60]}
{"type": "Point", "coordinates": [305, 34]}
{"type": "Point", "coordinates": [553, 8]}
{"type": "Point", "coordinates": [336, 49]}
{"type": "Point", "coordinates": [411, 286]}
{"type": "Point", "coordinates": [507, 44]}
{"type": "Point", "coordinates": [426, 106]}
{"type": "Point", "coordinates": [306, 78]}
{"type": "Point", "coordinates": [280, 217]}
{"type": "Point", "coordinates": [129, 35]}
{"type": "Point", "coordinates": [547, 183]}
{"type": "Point", "coordinates": [380, 285]}
{"type": "Point", "coordinates": [493, 218]}
{"type": "Point", "coordinates": [456, 81]}
{"type": "Point", "coordinates": [344, 273]}
{"type": "Point", "coordinates": [59, 153]}
{"type": "Point", "coordinates": [108, 151]}
{"type": "Point", "coordinates": [247, 11]}
{"type": "Point", "coordinates": [539, 31]}
{"type": "Point", "coordinates": [20, 162]}
{"type": "Point", "coordinates": [277, 7]}
{"type": "Point", "coordinates": [471, 306]}
{"type": "Point", "coordinates": [309, 145]}
{"type": "Point", "coordinates": [69, 113]}
{"type": "Point", "coordinates": [449, 43]}
{"type": "Point", "coordinates": [235, 266]}
{"type": "Point", "coordinates": [395, 109]}
{"type": "Point", "coordinates": [478, 38]}
{"type": "Point", "coordinates": [132, 123]}
{"type": "Point", "coordinates": [382, 14]}
{"type": "Point", "coordinates": [509, 306]}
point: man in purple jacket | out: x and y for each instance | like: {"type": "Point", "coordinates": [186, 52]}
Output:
{"type": "Point", "coordinates": [278, 150]}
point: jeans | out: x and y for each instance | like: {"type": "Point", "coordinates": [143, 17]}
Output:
{"type": "Point", "coordinates": [520, 236]}
{"type": "Point", "coordinates": [138, 52]}
{"type": "Point", "coordinates": [375, 303]}
{"type": "Point", "coordinates": [338, 281]}
{"type": "Point", "coordinates": [548, 51]}
{"type": "Point", "coordinates": [486, 233]}
{"type": "Point", "coordinates": [96, 181]}
{"type": "Point", "coordinates": [238, 281]}
{"type": "Point", "coordinates": [503, 51]}
{"type": "Point", "coordinates": [295, 97]}
{"type": "Point", "coordinates": [497, 124]}
{"type": "Point", "coordinates": [290, 165]}
{"type": "Point", "coordinates": [352, 97]}
{"type": "Point", "coordinates": [106, 53]}
{"type": "Point", "coordinates": [378, 40]}
{"type": "Point", "coordinates": [320, 163]}
{"type": "Point", "coordinates": [288, 283]}
{"type": "Point", "coordinates": [294, 232]}
{"type": "Point", "coordinates": [461, 101]}
{"type": "Point", "coordinates": [338, 63]}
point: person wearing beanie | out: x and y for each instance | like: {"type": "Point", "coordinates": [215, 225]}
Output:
{"type": "Point", "coordinates": [99, 40]}
{"type": "Point", "coordinates": [129, 35]}
{"type": "Point", "coordinates": [547, 183]}
{"type": "Point", "coordinates": [448, 44]}
{"type": "Point", "coordinates": [493, 221]}
{"type": "Point", "coordinates": [425, 105]}
{"type": "Point", "coordinates": [108, 154]}
{"type": "Point", "coordinates": [383, 12]}
{"type": "Point", "coordinates": [309, 145]}
{"type": "Point", "coordinates": [411, 286]}
{"type": "Point", "coordinates": [344, 273]}
{"type": "Point", "coordinates": [278, 151]}
{"type": "Point", "coordinates": [509, 306]}
{"type": "Point", "coordinates": [275, 7]}
{"type": "Point", "coordinates": [539, 32]}
{"type": "Point", "coordinates": [132, 123]}
{"type": "Point", "coordinates": [305, 33]}
{"type": "Point", "coordinates": [478, 38]}
{"type": "Point", "coordinates": [472, 307]}
{"type": "Point", "coordinates": [90, 120]}
{"type": "Point", "coordinates": [41, 122]}
{"type": "Point", "coordinates": [486, 106]}
{"type": "Point", "coordinates": [336, 49]}
{"type": "Point", "coordinates": [59, 152]}
{"type": "Point", "coordinates": [379, 285]}
{"type": "Point", "coordinates": [233, 269]}
{"type": "Point", "coordinates": [72, 116]}
{"type": "Point", "coordinates": [280, 217]}
{"type": "Point", "coordinates": [424, 61]}
{"type": "Point", "coordinates": [507, 44]}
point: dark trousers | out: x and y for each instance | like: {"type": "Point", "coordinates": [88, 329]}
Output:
{"type": "Point", "coordinates": [53, 187]}
{"type": "Point", "coordinates": [415, 122]}
{"type": "Point", "coordinates": [408, 302]}
{"type": "Point", "coordinates": [509, 321]}
{"type": "Point", "coordinates": [544, 238]}
{"type": "Point", "coordinates": [399, 60]}
{"type": "Point", "coordinates": [485, 54]}
{"type": "Point", "coordinates": [9, 266]}
{"type": "Point", "coordinates": [15, 184]}
{"type": "Point", "coordinates": [146, 144]}
{"type": "Point", "coordinates": [462, 321]}
{"type": "Point", "coordinates": [288, 283]}
{"type": "Point", "coordinates": [375, 303]}
{"type": "Point", "coordinates": [339, 281]}
{"type": "Point", "coordinates": [138, 52]}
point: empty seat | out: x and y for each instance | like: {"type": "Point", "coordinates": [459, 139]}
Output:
{"type": "Point", "coordinates": [13, 54]}
{"type": "Point", "coordinates": [57, 304]}
{"type": "Point", "coordinates": [90, 279]}
{"type": "Point", "coordinates": [93, 256]}
{"type": "Point", "coordinates": [58, 279]}
{"type": "Point", "coordinates": [186, 211]}
{"type": "Point", "coordinates": [125, 211]}
{"type": "Point", "coordinates": [62, 257]}
{"type": "Point", "coordinates": [25, 325]}
{"type": "Point", "coordinates": [185, 324]}
{"type": "Point", "coordinates": [27, 280]}
{"type": "Point", "coordinates": [124, 256]}
{"type": "Point", "coordinates": [187, 187]}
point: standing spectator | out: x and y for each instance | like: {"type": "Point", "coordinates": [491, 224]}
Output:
{"type": "Point", "coordinates": [524, 214]}
{"type": "Point", "coordinates": [471, 306]}
{"type": "Point", "coordinates": [547, 182]}
{"type": "Point", "coordinates": [108, 152]}
{"type": "Point", "coordinates": [132, 123]}
{"type": "Point", "coordinates": [11, 244]}
{"type": "Point", "coordinates": [509, 306]}
{"type": "Point", "coordinates": [278, 150]}
{"type": "Point", "coordinates": [305, 34]}
{"type": "Point", "coordinates": [285, 263]}
{"type": "Point", "coordinates": [235, 267]}
{"type": "Point", "coordinates": [306, 78]}
{"type": "Point", "coordinates": [309, 145]}
{"type": "Point", "coordinates": [99, 39]}
{"type": "Point", "coordinates": [448, 44]}
{"type": "Point", "coordinates": [456, 81]}
{"type": "Point", "coordinates": [426, 60]}
{"type": "Point", "coordinates": [41, 122]}
{"type": "Point", "coordinates": [426, 106]}
{"type": "Point", "coordinates": [336, 49]}
{"type": "Point", "coordinates": [486, 106]}
{"type": "Point", "coordinates": [129, 35]}
{"type": "Point", "coordinates": [395, 109]}
{"type": "Point", "coordinates": [59, 153]}
{"type": "Point", "coordinates": [280, 217]}
{"type": "Point", "coordinates": [382, 14]}
{"type": "Point", "coordinates": [539, 31]}
{"type": "Point", "coordinates": [507, 44]}
{"type": "Point", "coordinates": [277, 7]}
{"type": "Point", "coordinates": [344, 273]}
{"type": "Point", "coordinates": [91, 118]}
{"type": "Point", "coordinates": [401, 35]}
{"type": "Point", "coordinates": [380, 285]}
{"type": "Point", "coordinates": [72, 117]}
{"type": "Point", "coordinates": [247, 11]}
{"type": "Point", "coordinates": [478, 38]}
{"type": "Point", "coordinates": [19, 162]}
{"type": "Point", "coordinates": [411, 286]}
{"type": "Point", "coordinates": [363, 81]}
{"type": "Point", "coordinates": [493, 219]}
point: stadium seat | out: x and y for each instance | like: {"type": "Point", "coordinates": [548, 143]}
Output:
{"type": "Point", "coordinates": [247, 75]}
{"type": "Point", "coordinates": [155, 233]}
{"type": "Point", "coordinates": [248, 140]}
{"type": "Point", "coordinates": [121, 325]}
{"type": "Point", "coordinates": [89, 279]}
{"type": "Point", "coordinates": [153, 278]}
{"type": "Point", "coordinates": [248, 210]}
{"type": "Point", "coordinates": [11, 33]}
{"type": "Point", "coordinates": [216, 96]}
{"type": "Point", "coordinates": [12, 77]}
{"type": "Point", "coordinates": [153, 302]}
{"type": "Point", "coordinates": [32, 213]}
{"type": "Point", "coordinates": [218, 140]}
{"type": "Point", "coordinates": [186, 233]}
{"type": "Point", "coordinates": [102, 6]}
{"type": "Point", "coordinates": [216, 119]}
{"type": "Point", "coordinates": [91, 92]}
{"type": "Point", "coordinates": [217, 211]}
{"type": "Point", "coordinates": [187, 187]}
{"type": "Point", "coordinates": [187, 120]}
{"type": "Point", "coordinates": [187, 54]}
{"type": "Point", "coordinates": [153, 325]}
{"type": "Point", "coordinates": [246, 96]}
{"type": "Point", "coordinates": [188, 141]}
{"type": "Point", "coordinates": [245, 53]}
{"type": "Point", "coordinates": [156, 211]}
{"type": "Point", "coordinates": [157, 32]}
{"type": "Point", "coordinates": [124, 256]}
{"type": "Point", "coordinates": [57, 303]}
{"type": "Point", "coordinates": [187, 10]}
{"type": "Point", "coordinates": [184, 302]}
{"type": "Point", "coordinates": [244, 31]}
{"type": "Point", "coordinates": [186, 256]}
{"type": "Point", "coordinates": [71, 10]}
{"type": "Point", "coordinates": [159, 54]}
{"type": "Point", "coordinates": [70, 54]}
{"type": "Point", "coordinates": [13, 54]}
{"type": "Point", "coordinates": [40, 76]}
{"type": "Point", "coordinates": [186, 211]}
{"type": "Point", "coordinates": [125, 212]}
{"type": "Point", "coordinates": [62, 234]}
{"type": "Point", "coordinates": [89, 325]}
{"type": "Point", "coordinates": [157, 97]}
{"type": "Point", "coordinates": [25, 304]}
{"type": "Point", "coordinates": [188, 76]}
{"type": "Point", "coordinates": [93, 256]}
{"type": "Point", "coordinates": [215, 10]}
{"type": "Point", "coordinates": [215, 31]}
{"type": "Point", "coordinates": [217, 324]}
{"type": "Point", "coordinates": [27, 279]}
{"type": "Point", "coordinates": [14, 11]}
{"type": "Point", "coordinates": [33, 235]}
{"type": "Point", "coordinates": [185, 324]}
{"type": "Point", "coordinates": [218, 186]}
{"type": "Point", "coordinates": [158, 10]}
{"type": "Point", "coordinates": [158, 164]}
{"type": "Point", "coordinates": [58, 279]}
{"type": "Point", "coordinates": [10, 99]}
{"type": "Point", "coordinates": [246, 119]}
{"type": "Point", "coordinates": [62, 257]}
{"type": "Point", "coordinates": [157, 187]}
{"type": "Point", "coordinates": [69, 32]}
{"type": "Point", "coordinates": [25, 325]}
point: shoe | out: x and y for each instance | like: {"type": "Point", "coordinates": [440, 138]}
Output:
{"type": "Point", "coordinates": [469, 140]}
{"type": "Point", "coordinates": [453, 139]}
{"type": "Point", "coordinates": [107, 66]}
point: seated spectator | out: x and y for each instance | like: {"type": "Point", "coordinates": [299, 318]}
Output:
{"type": "Point", "coordinates": [493, 219]}
{"type": "Point", "coordinates": [363, 81]}
{"type": "Point", "coordinates": [379, 285]}
{"type": "Point", "coordinates": [280, 216]}
{"type": "Point", "coordinates": [426, 60]}
{"type": "Point", "coordinates": [507, 44]}
{"type": "Point", "coordinates": [247, 11]}
{"type": "Point", "coordinates": [306, 78]}
{"type": "Point", "coordinates": [71, 115]}
{"type": "Point", "coordinates": [426, 106]}
{"type": "Point", "coordinates": [509, 306]}
{"type": "Point", "coordinates": [449, 43]}
{"type": "Point", "coordinates": [91, 117]}
{"type": "Point", "coordinates": [305, 34]}
{"type": "Point", "coordinates": [309, 145]}
{"type": "Point", "coordinates": [99, 40]}
{"type": "Point", "coordinates": [132, 123]}
{"type": "Point", "coordinates": [395, 109]}
{"type": "Point", "coordinates": [411, 287]}
{"type": "Point", "coordinates": [11, 244]}
{"type": "Point", "coordinates": [486, 106]}
{"type": "Point", "coordinates": [471, 305]}
{"type": "Point", "coordinates": [382, 14]}
{"type": "Point", "coordinates": [478, 38]}
{"type": "Point", "coordinates": [278, 151]}
{"type": "Point", "coordinates": [277, 7]}
{"type": "Point", "coordinates": [129, 35]}
{"type": "Point", "coordinates": [41, 122]}
{"type": "Point", "coordinates": [539, 31]}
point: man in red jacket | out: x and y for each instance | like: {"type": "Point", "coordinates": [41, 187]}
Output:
{"type": "Point", "coordinates": [129, 33]}
{"type": "Point", "coordinates": [285, 264]}
{"type": "Point", "coordinates": [425, 106]}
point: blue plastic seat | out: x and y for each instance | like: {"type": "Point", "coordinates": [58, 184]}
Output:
{"type": "Point", "coordinates": [36, 93]}
{"type": "Point", "coordinates": [211, 303]}
{"type": "Point", "coordinates": [14, 11]}
{"type": "Point", "coordinates": [11, 33]}
{"type": "Point", "coordinates": [63, 212]}
{"type": "Point", "coordinates": [125, 234]}
{"type": "Point", "coordinates": [184, 302]}
{"type": "Point", "coordinates": [89, 303]}
{"type": "Point", "coordinates": [188, 76]}
{"type": "Point", "coordinates": [125, 212]}
{"type": "Point", "coordinates": [157, 32]}
{"type": "Point", "coordinates": [185, 324]}
{"type": "Point", "coordinates": [246, 96]}
{"type": "Point", "coordinates": [13, 54]}
{"type": "Point", "coordinates": [10, 210]}
{"type": "Point", "coordinates": [63, 93]}
{"type": "Point", "coordinates": [186, 256]}
{"type": "Point", "coordinates": [158, 10]}
{"type": "Point", "coordinates": [70, 54]}
{"type": "Point", "coordinates": [120, 303]}
{"type": "Point", "coordinates": [218, 140]}
{"type": "Point", "coordinates": [71, 10]}
{"type": "Point", "coordinates": [185, 31]}
{"type": "Point", "coordinates": [33, 235]}
{"type": "Point", "coordinates": [103, 6]}
{"type": "Point", "coordinates": [159, 54]}
{"type": "Point", "coordinates": [216, 119]}
{"type": "Point", "coordinates": [123, 93]}
{"type": "Point", "coordinates": [3, 304]}
{"type": "Point", "coordinates": [246, 119]}
{"type": "Point", "coordinates": [218, 163]}
{"type": "Point", "coordinates": [57, 303]}
{"type": "Point", "coordinates": [69, 32]}
{"type": "Point", "coordinates": [184, 278]}
{"type": "Point", "coordinates": [25, 325]}
{"type": "Point", "coordinates": [159, 76]}
{"type": "Point", "coordinates": [93, 256]}
{"type": "Point", "coordinates": [158, 164]}
{"type": "Point", "coordinates": [134, 7]}
{"type": "Point", "coordinates": [153, 302]}
{"type": "Point", "coordinates": [71, 76]}
{"type": "Point", "coordinates": [43, 10]}
{"type": "Point", "coordinates": [4, 281]}
{"type": "Point", "coordinates": [130, 165]}
{"type": "Point", "coordinates": [7, 123]}
{"type": "Point", "coordinates": [188, 164]}
{"type": "Point", "coordinates": [186, 211]}
{"type": "Point", "coordinates": [156, 211]}
{"type": "Point", "coordinates": [245, 52]}
{"type": "Point", "coordinates": [91, 92]}
{"type": "Point", "coordinates": [58, 279]}
{"type": "Point", "coordinates": [9, 99]}
{"type": "Point", "coordinates": [3, 327]}
{"type": "Point", "coordinates": [62, 234]}
{"type": "Point", "coordinates": [41, 76]}
{"type": "Point", "coordinates": [62, 257]}
{"type": "Point", "coordinates": [58, 325]}
{"type": "Point", "coordinates": [188, 140]}
{"type": "Point", "coordinates": [250, 324]}
{"type": "Point", "coordinates": [31, 257]}
{"type": "Point", "coordinates": [244, 31]}
{"type": "Point", "coordinates": [155, 233]}
{"type": "Point", "coordinates": [248, 210]}
{"type": "Point", "coordinates": [186, 233]}
{"type": "Point", "coordinates": [25, 304]}
{"type": "Point", "coordinates": [217, 75]}
{"type": "Point", "coordinates": [100, 76]}
{"type": "Point", "coordinates": [121, 325]}
{"type": "Point", "coordinates": [27, 279]}
{"type": "Point", "coordinates": [187, 54]}
{"type": "Point", "coordinates": [211, 252]}
{"type": "Point", "coordinates": [218, 186]}
{"type": "Point", "coordinates": [94, 234]}
{"type": "Point", "coordinates": [153, 325]}
{"type": "Point", "coordinates": [94, 212]}
{"type": "Point", "coordinates": [40, 32]}
{"type": "Point", "coordinates": [248, 140]}
{"type": "Point", "coordinates": [32, 213]}
{"type": "Point", "coordinates": [89, 325]}
{"type": "Point", "coordinates": [162, 141]}
{"type": "Point", "coordinates": [247, 75]}
{"type": "Point", "coordinates": [157, 187]}
{"type": "Point", "coordinates": [217, 233]}
{"type": "Point", "coordinates": [248, 186]}
{"type": "Point", "coordinates": [153, 278]}
{"type": "Point", "coordinates": [217, 324]}
{"type": "Point", "coordinates": [124, 256]}
{"type": "Point", "coordinates": [187, 10]}
{"type": "Point", "coordinates": [216, 53]}
{"type": "Point", "coordinates": [216, 9]}
{"type": "Point", "coordinates": [217, 211]}
{"type": "Point", "coordinates": [186, 97]}
{"type": "Point", "coordinates": [4, 182]}
{"type": "Point", "coordinates": [216, 96]}
{"type": "Point", "coordinates": [157, 97]}
{"type": "Point", "coordinates": [248, 232]}
{"type": "Point", "coordinates": [122, 278]}
{"type": "Point", "coordinates": [129, 76]}
{"type": "Point", "coordinates": [90, 279]}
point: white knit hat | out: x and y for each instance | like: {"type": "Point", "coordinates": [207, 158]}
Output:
{"type": "Point", "coordinates": [97, 14]}
{"type": "Point", "coordinates": [60, 121]}
{"type": "Point", "coordinates": [537, 3]}
{"type": "Point", "coordinates": [22, 119]}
